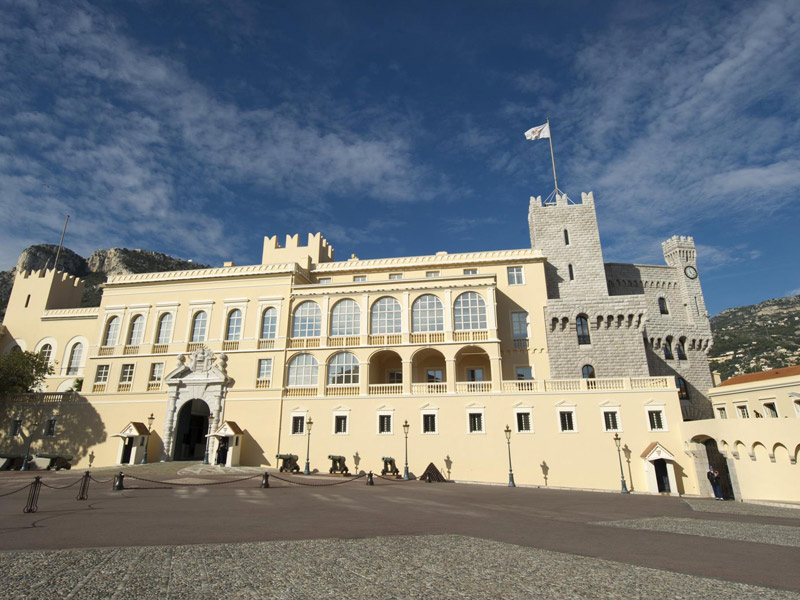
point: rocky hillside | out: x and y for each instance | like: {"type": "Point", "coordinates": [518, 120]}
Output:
{"type": "Point", "coordinates": [754, 338]}
{"type": "Point", "coordinates": [95, 270]}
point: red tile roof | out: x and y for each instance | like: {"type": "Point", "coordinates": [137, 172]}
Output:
{"type": "Point", "coordinates": [763, 375]}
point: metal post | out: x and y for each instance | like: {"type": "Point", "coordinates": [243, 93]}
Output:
{"type": "Point", "coordinates": [510, 471]}
{"type": "Point", "coordinates": [33, 496]}
{"type": "Point", "coordinates": [83, 493]}
{"type": "Point", "coordinates": [265, 480]}
{"type": "Point", "coordinates": [405, 469]}
{"type": "Point", "coordinates": [617, 441]}
{"type": "Point", "coordinates": [307, 470]}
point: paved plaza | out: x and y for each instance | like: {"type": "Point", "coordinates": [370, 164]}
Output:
{"type": "Point", "coordinates": [171, 535]}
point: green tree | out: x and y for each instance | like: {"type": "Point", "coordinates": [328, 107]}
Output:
{"type": "Point", "coordinates": [22, 372]}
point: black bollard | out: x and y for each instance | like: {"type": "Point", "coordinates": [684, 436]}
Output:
{"type": "Point", "coordinates": [83, 492]}
{"type": "Point", "coordinates": [265, 480]}
{"type": "Point", "coordinates": [119, 482]}
{"type": "Point", "coordinates": [369, 479]}
{"type": "Point", "coordinates": [33, 496]}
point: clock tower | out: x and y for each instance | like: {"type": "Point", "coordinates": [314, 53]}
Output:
{"type": "Point", "coordinates": [680, 253]}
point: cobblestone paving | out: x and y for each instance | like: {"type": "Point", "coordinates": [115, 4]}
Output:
{"type": "Point", "coordinates": [780, 535]}
{"type": "Point", "coordinates": [742, 508]}
{"type": "Point", "coordinates": [444, 566]}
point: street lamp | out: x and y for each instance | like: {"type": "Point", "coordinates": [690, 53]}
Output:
{"type": "Point", "coordinates": [28, 451]}
{"type": "Point", "coordinates": [406, 426]}
{"type": "Point", "coordinates": [618, 442]}
{"type": "Point", "coordinates": [150, 420]}
{"type": "Point", "coordinates": [510, 472]}
{"type": "Point", "coordinates": [309, 423]}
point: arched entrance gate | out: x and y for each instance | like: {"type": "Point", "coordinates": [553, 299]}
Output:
{"type": "Point", "coordinates": [195, 404]}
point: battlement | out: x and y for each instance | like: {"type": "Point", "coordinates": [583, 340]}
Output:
{"type": "Point", "coordinates": [62, 278]}
{"type": "Point", "coordinates": [587, 199]}
{"type": "Point", "coordinates": [316, 250]}
{"type": "Point", "coordinates": [679, 249]}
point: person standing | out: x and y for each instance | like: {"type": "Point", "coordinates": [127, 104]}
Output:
{"type": "Point", "coordinates": [713, 479]}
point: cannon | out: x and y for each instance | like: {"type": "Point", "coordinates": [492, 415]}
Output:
{"type": "Point", "coordinates": [389, 466]}
{"type": "Point", "coordinates": [337, 465]}
{"type": "Point", "coordinates": [288, 463]}
{"type": "Point", "coordinates": [57, 461]}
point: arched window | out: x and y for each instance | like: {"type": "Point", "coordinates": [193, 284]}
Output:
{"type": "Point", "coordinates": [343, 369]}
{"type": "Point", "coordinates": [566, 237]}
{"type": "Point", "coordinates": [571, 273]}
{"type": "Point", "coordinates": [269, 323]}
{"type": "Point", "coordinates": [662, 306]}
{"type": "Point", "coordinates": [46, 352]}
{"type": "Point", "coordinates": [469, 312]}
{"type": "Point", "coordinates": [346, 318]}
{"type": "Point", "coordinates": [303, 370]}
{"type": "Point", "coordinates": [587, 372]}
{"type": "Point", "coordinates": [680, 348]}
{"type": "Point", "coordinates": [386, 316]}
{"type": "Point", "coordinates": [307, 320]}
{"type": "Point", "coordinates": [668, 348]}
{"type": "Point", "coordinates": [164, 332]}
{"type": "Point", "coordinates": [74, 362]}
{"type": "Point", "coordinates": [683, 389]}
{"type": "Point", "coordinates": [199, 326]}
{"type": "Point", "coordinates": [234, 329]}
{"type": "Point", "coordinates": [112, 332]}
{"type": "Point", "coordinates": [427, 314]}
{"type": "Point", "coordinates": [582, 328]}
{"type": "Point", "coordinates": [136, 331]}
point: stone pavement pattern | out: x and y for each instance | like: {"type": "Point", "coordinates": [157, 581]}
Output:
{"type": "Point", "coordinates": [433, 566]}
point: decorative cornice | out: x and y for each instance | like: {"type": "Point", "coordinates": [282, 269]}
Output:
{"type": "Point", "coordinates": [89, 312]}
{"type": "Point", "coordinates": [442, 259]}
{"type": "Point", "coordinates": [200, 274]}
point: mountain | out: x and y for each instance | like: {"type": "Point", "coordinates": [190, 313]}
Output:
{"type": "Point", "coordinates": [95, 270]}
{"type": "Point", "coordinates": [755, 338]}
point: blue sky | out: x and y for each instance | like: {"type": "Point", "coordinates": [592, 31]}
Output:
{"type": "Point", "coordinates": [196, 128]}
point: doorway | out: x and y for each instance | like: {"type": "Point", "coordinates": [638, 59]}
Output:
{"type": "Point", "coordinates": [126, 451]}
{"type": "Point", "coordinates": [662, 476]}
{"type": "Point", "coordinates": [716, 460]}
{"type": "Point", "coordinates": [190, 431]}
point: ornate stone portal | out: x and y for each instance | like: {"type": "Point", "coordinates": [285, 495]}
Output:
{"type": "Point", "coordinates": [203, 376]}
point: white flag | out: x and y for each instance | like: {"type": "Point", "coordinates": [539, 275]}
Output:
{"type": "Point", "coordinates": [537, 133]}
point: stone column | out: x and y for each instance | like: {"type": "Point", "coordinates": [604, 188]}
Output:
{"type": "Point", "coordinates": [450, 377]}
{"type": "Point", "coordinates": [169, 424]}
{"type": "Point", "coordinates": [496, 363]}
{"type": "Point", "coordinates": [408, 369]}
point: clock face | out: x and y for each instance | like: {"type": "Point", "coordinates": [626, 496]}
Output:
{"type": "Point", "coordinates": [691, 272]}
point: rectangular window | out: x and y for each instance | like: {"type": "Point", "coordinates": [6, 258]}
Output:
{"type": "Point", "coordinates": [395, 275]}
{"type": "Point", "coordinates": [524, 373]}
{"type": "Point", "coordinates": [324, 280]}
{"type": "Point", "coordinates": [126, 375]}
{"type": "Point", "coordinates": [384, 423]}
{"type": "Point", "coordinates": [722, 413]}
{"type": "Point", "coordinates": [523, 422]}
{"type": "Point", "coordinates": [264, 368]}
{"type": "Point", "coordinates": [515, 276]}
{"type": "Point", "coordinates": [610, 420]}
{"type": "Point", "coordinates": [771, 410]}
{"type": "Point", "coordinates": [656, 418]}
{"type": "Point", "coordinates": [519, 325]}
{"type": "Point", "coordinates": [743, 412]}
{"type": "Point", "coordinates": [474, 374]}
{"type": "Point", "coordinates": [298, 425]}
{"type": "Point", "coordinates": [340, 424]}
{"type": "Point", "coordinates": [435, 376]}
{"type": "Point", "coordinates": [156, 372]}
{"type": "Point", "coordinates": [432, 274]}
{"type": "Point", "coordinates": [429, 423]}
{"type": "Point", "coordinates": [101, 375]}
{"type": "Point", "coordinates": [395, 377]}
{"type": "Point", "coordinates": [359, 277]}
{"type": "Point", "coordinates": [470, 271]}
{"type": "Point", "coordinates": [50, 427]}
{"type": "Point", "coordinates": [476, 422]}
{"type": "Point", "coordinates": [16, 428]}
{"type": "Point", "coordinates": [566, 420]}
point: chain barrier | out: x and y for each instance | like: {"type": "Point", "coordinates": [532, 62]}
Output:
{"type": "Point", "coordinates": [192, 484]}
{"type": "Point", "coordinates": [62, 487]}
{"type": "Point", "coordinates": [32, 505]}
{"type": "Point", "coordinates": [101, 480]}
{"type": "Point", "coordinates": [349, 480]}
{"type": "Point", "coordinates": [394, 479]}
{"type": "Point", "coordinates": [27, 485]}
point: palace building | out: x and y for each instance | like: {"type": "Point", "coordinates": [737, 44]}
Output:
{"type": "Point", "coordinates": [551, 342]}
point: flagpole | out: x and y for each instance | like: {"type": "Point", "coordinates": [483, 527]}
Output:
{"type": "Point", "coordinates": [61, 243]}
{"type": "Point", "coordinates": [552, 158]}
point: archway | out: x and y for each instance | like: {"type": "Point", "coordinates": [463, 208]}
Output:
{"type": "Point", "coordinates": [385, 367]}
{"type": "Point", "coordinates": [473, 369]}
{"type": "Point", "coordinates": [190, 430]}
{"type": "Point", "coordinates": [716, 460]}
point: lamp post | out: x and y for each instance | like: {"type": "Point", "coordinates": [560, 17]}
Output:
{"type": "Point", "coordinates": [309, 423]}
{"type": "Point", "coordinates": [510, 472]}
{"type": "Point", "coordinates": [618, 442]}
{"type": "Point", "coordinates": [150, 420]}
{"type": "Point", "coordinates": [28, 451]}
{"type": "Point", "coordinates": [406, 426]}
